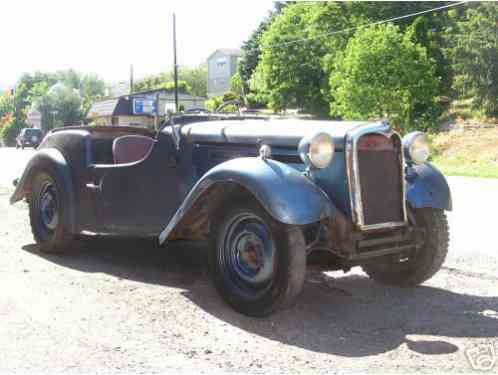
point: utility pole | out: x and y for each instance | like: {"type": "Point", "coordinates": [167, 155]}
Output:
{"type": "Point", "coordinates": [175, 68]}
{"type": "Point", "coordinates": [131, 79]}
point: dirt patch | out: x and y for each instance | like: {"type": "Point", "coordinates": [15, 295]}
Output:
{"type": "Point", "coordinates": [479, 144]}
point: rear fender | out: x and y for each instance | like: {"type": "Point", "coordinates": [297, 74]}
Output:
{"type": "Point", "coordinates": [427, 187]}
{"type": "Point", "coordinates": [284, 192]}
{"type": "Point", "coordinates": [49, 158]}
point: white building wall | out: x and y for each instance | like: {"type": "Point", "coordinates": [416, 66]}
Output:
{"type": "Point", "coordinates": [221, 67]}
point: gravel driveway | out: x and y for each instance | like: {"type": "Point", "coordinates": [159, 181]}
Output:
{"type": "Point", "coordinates": [129, 306]}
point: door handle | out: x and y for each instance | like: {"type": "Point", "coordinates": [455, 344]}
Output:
{"type": "Point", "coordinates": [96, 188]}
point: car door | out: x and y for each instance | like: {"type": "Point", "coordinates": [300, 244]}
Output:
{"type": "Point", "coordinates": [138, 198]}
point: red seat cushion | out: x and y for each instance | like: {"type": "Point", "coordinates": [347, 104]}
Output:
{"type": "Point", "coordinates": [131, 148]}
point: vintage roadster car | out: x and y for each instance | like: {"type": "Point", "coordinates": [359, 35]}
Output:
{"type": "Point", "coordinates": [270, 196]}
{"type": "Point", "coordinates": [29, 137]}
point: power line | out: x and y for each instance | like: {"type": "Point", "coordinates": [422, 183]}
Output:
{"type": "Point", "coordinates": [361, 26]}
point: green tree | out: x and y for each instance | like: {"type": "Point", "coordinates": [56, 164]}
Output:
{"type": "Point", "coordinates": [382, 73]}
{"type": "Point", "coordinates": [190, 80]}
{"type": "Point", "coordinates": [250, 48]}
{"type": "Point", "coordinates": [427, 30]}
{"type": "Point", "coordinates": [475, 54]}
{"type": "Point", "coordinates": [10, 130]}
{"type": "Point", "coordinates": [295, 52]}
{"type": "Point", "coordinates": [289, 74]}
{"type": "Point", "coordinates": [6, 104]}
{"type": "Point", "coordinates": [46, 106]}
{"type": "Point", "coordinates": [195, 79]}
{"type": "Point", "coordinates": [31, 87]}
{"type": "Point", "coordinates": [298, 49]}
{"type": "Point", "coordinates": [236, 84]}
{"type": "Point", "coordinates": [251, 52]}
{"type": "Point", "coordinates": [91, 89]}
{"type": "Point", "coordinates": [59, 106]}
{"type": "Point", "coordinates": [160, 81]}
{"type": "Point", "coordinates": [67, 103]}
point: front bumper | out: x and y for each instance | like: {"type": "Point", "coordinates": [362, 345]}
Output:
{"type": "Point", "coordinates": [393, 242]}
{"type": "Point", "coordinates": [355, 246]}
{"type": "Point", "coordinates": [30, 144]}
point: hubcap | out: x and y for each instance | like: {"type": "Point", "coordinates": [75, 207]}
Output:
{"type": "Point", "coordinates": [248, 253]}
{"type": "Point", "coordinates": [49, 207]}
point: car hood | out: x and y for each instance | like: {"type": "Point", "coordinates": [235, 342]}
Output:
{"type": "Point", "coordinates": [275, 132]}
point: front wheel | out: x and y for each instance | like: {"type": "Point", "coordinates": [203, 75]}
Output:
{"type": "Point", "coordinates": [46, 212]}
{"type": "Point", "coordinates": [423, 263]}
{"type": "Point", "coordinates": [258, 264]}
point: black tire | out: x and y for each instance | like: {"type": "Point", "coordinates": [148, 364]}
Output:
{"type": "Point", "coordinates": [46, 212]}
{"type": "Point", "coordinates": [258, 265]}
{"type": "Point", "coordinates": [424, 262]}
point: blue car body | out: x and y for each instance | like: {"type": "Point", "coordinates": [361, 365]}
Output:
{"type": "Point", "coordinates": [197, 163]}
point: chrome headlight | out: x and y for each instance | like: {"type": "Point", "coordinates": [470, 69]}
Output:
{"type": "Point", "coordinates": [317, 151]}
{"type": "Point", "coordinates": [416, 147]}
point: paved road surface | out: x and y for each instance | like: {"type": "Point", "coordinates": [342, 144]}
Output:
{"type": "Point", "coordinates": [127, 306]}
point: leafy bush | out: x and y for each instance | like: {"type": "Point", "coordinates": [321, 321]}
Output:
{"type": "Point", "coordinates": [10, 131]}
{"type": "Point", "coordinates": [256, 100]}
{"type": "Point", "coordinates": [213, 103]}
{"type": "Point", "coordinates": [216, 101]}
{"type": "Point", "coordinates": [382, 73]}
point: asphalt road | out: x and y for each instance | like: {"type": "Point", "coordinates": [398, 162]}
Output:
{"type": "Point", "coordinates": [128, 306]}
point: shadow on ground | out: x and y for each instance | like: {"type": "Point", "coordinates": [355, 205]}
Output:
{"type": "Point", "coordinates": [342, 315]}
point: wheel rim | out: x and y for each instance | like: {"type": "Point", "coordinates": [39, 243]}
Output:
{"type": "Point", "coordinates": [48, 206]}
{"type": "Point", "coordinates": [247, 254]}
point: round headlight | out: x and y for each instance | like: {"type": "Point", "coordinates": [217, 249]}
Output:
{"type": "Point", "coordinates": [416, 147]}
{"type": "Point", "coordinates": [317, 151]}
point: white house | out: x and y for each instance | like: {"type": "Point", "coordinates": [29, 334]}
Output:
{"type": "Point", "coordinates": [34, 118]}
{"type": "Point", "coordinates": [222, 65]}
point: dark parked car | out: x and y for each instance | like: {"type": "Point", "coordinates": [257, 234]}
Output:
{"type": "Point", "coordinates": [29, 137]}
{"type": "Point", "coordinates": [269, 196]}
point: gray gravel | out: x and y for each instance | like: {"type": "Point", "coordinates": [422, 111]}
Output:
{"type": "Point", "coordinates": [129, 306]}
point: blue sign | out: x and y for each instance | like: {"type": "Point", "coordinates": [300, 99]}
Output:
{"type": "Point", "coordinates": [144, 106]}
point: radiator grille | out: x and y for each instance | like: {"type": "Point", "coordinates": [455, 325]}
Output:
{"type": "Point", "coordinates": [380, 176]}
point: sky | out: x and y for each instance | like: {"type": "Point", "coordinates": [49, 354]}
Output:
{"type": "Point", "coordinates": [106, 36]}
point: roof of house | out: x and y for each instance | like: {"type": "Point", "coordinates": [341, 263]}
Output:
{"type": "Point", "coordinates": [123, 105]}
{"type": "Point", "coordinates": [110, 107]}
{"type": "Point", "coordinates": [227, 51]}
{"type": "Point", "coordinates": [154, 91]}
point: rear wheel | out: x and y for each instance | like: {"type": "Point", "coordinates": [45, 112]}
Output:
{"type": "Point", "coordinates": [46, 212]}
{"type": "Point", "coordinates": [258, 264]}
{"type": "Point", "coordinates": [423, 263]}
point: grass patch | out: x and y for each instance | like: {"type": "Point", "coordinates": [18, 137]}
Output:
{"type": "Point", "coordinates": [463, 167]}
{"type": "Point", "coordinates": [472, 153]}
{"type": "Point", "coordinates": [463, 110]}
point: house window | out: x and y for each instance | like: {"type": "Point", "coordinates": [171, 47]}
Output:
{"type": "Point", "coordinates": [221, 62]}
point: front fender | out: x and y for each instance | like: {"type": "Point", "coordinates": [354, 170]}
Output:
{"type": "Point", "coordinates": [286, 194]}
{"type": "Point", "coordinates": [49, 158]}
{"type": "Point", "coordinates": [427, 187]}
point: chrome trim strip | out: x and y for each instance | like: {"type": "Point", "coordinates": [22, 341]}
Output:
{"type": "Point", "coordinates": [353, 175]}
